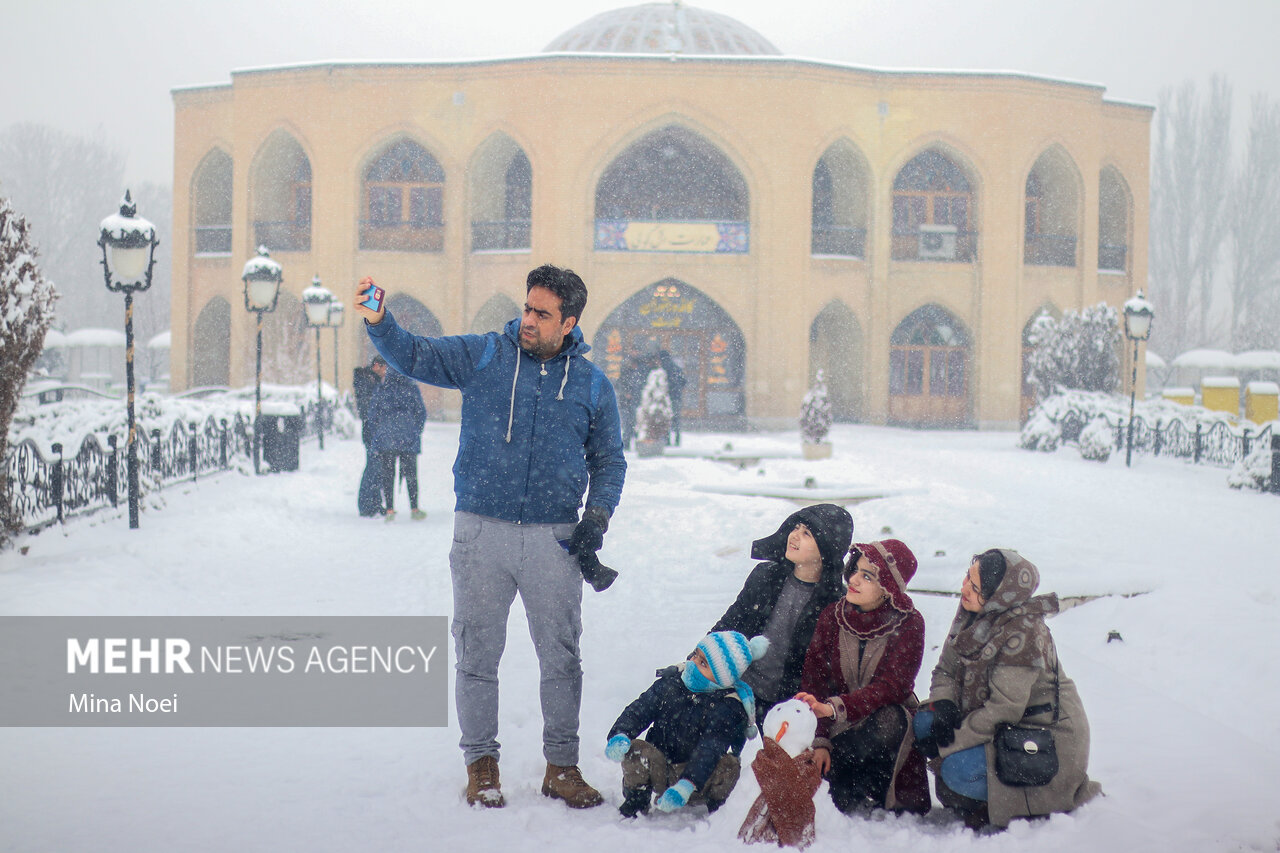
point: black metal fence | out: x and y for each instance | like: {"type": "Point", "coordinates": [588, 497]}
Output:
{"type": "Point", "coordinates": [1218, 443]}
{"type": "Point", "coordinates": [94, 476]}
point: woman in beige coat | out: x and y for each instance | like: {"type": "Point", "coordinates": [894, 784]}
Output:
{"type": "Point", "coordinates": [999, 665]}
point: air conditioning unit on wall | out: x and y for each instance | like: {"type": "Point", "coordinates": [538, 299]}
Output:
{"type": "Point", "coordinates": [937, 242]}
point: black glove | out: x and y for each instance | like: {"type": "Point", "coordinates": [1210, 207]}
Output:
{"type": "Point", "coordinates": [946, 719]}
{"type": "Point", "coordinates": [588, 536]}
{"type": "Point", "coordinates": [595, 572]}
{"type": "Point", "coordinates": [927, 746]}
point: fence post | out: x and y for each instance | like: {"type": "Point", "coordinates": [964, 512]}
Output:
{"type": "Point", "coordinates": [55, 481]}
{"type": "Point", "coordinates": [113, 469]}
{"type": "Point", "coordinates": [1120, 434]}
{"type": "Point", "coordinates": [1157, 440]}
{"type": "Point", "coordinates": [157, 458]}
{"type": "Point", "coordinates": [222, 445]}
{"type": "Point", "coordinates": [193, 450]}
{"type": "Point", "coordinates": [1275, 464]}
{"type": "Point", "coordinates": [1244, 445]}
{"type": "Point", "coordinates": [1196, 459]}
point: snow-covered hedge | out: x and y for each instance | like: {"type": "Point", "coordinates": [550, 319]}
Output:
{"type": "Point", "coordinates": [815, 412]}
{"type": "Point", "coordinates": [653, 417]}
{"type": "Point", "coordinates": [1252, 472]}
{"type": "Point", "coordinates": [1096, 440]}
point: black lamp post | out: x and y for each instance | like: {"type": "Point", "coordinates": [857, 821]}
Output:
{"type": "Point", "coordinates": [316, 300]}
{"type": "Point", "coordinates": [261, 277]}
{"type": "Point", "coordinates": [128, 258]}
{"type": "Point", "coordinates": [336, 312]}
{"type": "Point", "coordinates": [1137, 327]}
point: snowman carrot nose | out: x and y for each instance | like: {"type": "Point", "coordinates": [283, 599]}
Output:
{"type": "Point", "coordinates": [782, 729]}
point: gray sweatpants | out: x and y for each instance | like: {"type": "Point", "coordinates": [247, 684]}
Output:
{"type": "Point", "coordinates": [490, 562]}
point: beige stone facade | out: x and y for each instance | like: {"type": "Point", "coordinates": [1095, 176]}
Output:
{"type": "Point", "coordinates": [759, 216]}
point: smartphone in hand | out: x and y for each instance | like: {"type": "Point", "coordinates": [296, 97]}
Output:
{"type": "Point", "coordinates": [373, 298]}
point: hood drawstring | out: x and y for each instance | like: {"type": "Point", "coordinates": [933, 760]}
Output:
{"type": "Point", "coordinates": [511, 411]}
{"type": "Point", "coordinates": [565, 381]}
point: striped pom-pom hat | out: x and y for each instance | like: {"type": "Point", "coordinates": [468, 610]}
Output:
{"type": "Point", "coordinates": [728, 655]}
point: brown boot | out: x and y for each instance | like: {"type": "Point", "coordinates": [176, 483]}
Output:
{"type": "Point", "coordinates": [566, 783]}
{"type": "Point", "coordinates": [483, 788]}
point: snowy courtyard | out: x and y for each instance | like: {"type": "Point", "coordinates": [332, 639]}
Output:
{"type": "Point", "coordinates": [1185, 734]}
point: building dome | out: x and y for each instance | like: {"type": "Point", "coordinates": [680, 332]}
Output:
{"type": "Point", "coordinates": [663, 28]}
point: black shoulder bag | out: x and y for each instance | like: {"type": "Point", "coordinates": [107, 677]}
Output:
{"type": "Point", "coordinates": [1026, 756]}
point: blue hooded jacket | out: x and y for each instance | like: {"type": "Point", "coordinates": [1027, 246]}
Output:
{"type": "Point", "coordinates": [534, 434]}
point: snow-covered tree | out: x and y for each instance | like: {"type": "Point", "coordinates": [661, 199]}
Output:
{"type": "Point", "coordinates": [815, 411]}
{"type": "Point", "coordinates": [1080, 351]}
{"type": "Point", "coordinates": [26, 310]}
{"type": "Point", "coordinates": [653, 416]}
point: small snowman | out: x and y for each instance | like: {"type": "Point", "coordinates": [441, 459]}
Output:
{"type": "Point", "coordinates": [788, 777]}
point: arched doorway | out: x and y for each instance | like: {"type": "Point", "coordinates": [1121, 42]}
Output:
{"type": "Point", "coordinates": [929, 370]}
{"type": "Point", "coordinates": [835, 346]}
{"type": "Point", "coordinates": [1028, 337]}
{"type": "Point", "coordinates": [495, 314]}
{"type": "Point", "coordinates": [701, 337]}
{"type": "Point", "coordinates": [211, 345]}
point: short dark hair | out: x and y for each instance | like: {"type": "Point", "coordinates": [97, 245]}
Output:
{"type": "Point", "coordinates": [565, 283]}
{"type": "Point", "coordinates": [991, 569]}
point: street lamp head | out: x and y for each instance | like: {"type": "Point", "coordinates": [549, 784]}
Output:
{"type": "Point", "coordinates": [315, 303]}
{"type": "Point", "coordinates": [128, 248]}
{"type": "Point", "coordinates": [336, 311]}
{"type": "Point", "coordinates": [261, 277]}
{"type": "Point", "coordinates": [1137, 318]}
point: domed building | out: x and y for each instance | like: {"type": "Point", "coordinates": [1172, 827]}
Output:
{"type": "Point", "coordinates": [758, 215]}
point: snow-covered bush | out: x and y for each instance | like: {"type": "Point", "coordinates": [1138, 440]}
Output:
{"type": "Point", "coordinates": [1096, 440]}
{"type": "Point", "coordinates": [1080, 351]}
{"type": "Point", "coordinates": [26, 310]}
{"type": "Point", "coordinates": [1041, 432]}
{"type": "Point", "coordinates": [1253, 471]}
{"type": "Point", "coordinates": [653, 416]}
{"type": "Point", "coordinates": [815, 412]}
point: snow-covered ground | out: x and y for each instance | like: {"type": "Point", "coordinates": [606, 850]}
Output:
{"type": "Point", "coordinates": [1186, 737]}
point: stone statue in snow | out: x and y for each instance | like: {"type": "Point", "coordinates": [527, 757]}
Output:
{"type": "Point", "coordinates": [784, 813]}
{"type": "Point", "coordinates": [653, 417]}
{"type": "Point", "coordinates": [815, 418]}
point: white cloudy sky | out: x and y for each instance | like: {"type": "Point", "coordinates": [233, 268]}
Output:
{"type": "Point", "coordinates": [88, 65]}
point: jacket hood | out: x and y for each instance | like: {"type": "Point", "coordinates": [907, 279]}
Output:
{"type": "Point", "coordinates": [895, 567]}
{"type": "Point", "coordinates": [832, 529]}
{"type": "Point", "coordinates": [578, 345]}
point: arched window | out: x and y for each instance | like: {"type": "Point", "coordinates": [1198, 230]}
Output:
{"type": "Point", "coordinates": [501, 196]}
{"type": "Point", "coordinates": [211, 204]}
{"type": "Point", "coordinates": [933, 211]}
{"type": "Point", "coordinates": [1113, 221]}
{"type": "Point", "coordinates": [672, 191]}
{"type": "Point", "coordinates": [1052, 211]}
{"type": "Point", "coordinates": [280, 188]}
{"type": "Point", "coordinates": [403, 201]}
{"type": "Point", "coordinates": [928, 369]}
{"type": "Point", "coordinates": [839, 217]}
{"type": "Point", "coordinates": [211, 345]}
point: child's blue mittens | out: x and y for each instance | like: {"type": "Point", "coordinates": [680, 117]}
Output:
{"type": "Point", "coordinates": [617, 747]}
{"type": "Point", "coordinates": [675, 796]}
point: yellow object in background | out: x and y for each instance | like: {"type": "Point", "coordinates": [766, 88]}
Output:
{"type": "Point", "coordinates": [1262, 402]}
{"type": "Point", "coordinates": [1221, 394]}
{"type": "Point", "coordinates": [1185, 396]}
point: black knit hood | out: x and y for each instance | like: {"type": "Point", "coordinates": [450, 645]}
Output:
{"type": "Point", "coordinates": [832, 529]}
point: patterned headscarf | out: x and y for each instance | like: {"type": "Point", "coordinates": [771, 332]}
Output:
{"type": "Point", "coordinates": [1010, 631]}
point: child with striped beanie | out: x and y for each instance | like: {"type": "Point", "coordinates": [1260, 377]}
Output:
{"type": "Point", "coordinates": [698, 716]}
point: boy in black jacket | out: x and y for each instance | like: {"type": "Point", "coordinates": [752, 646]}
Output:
{"type": "Point", "coordinates": [698, 715]}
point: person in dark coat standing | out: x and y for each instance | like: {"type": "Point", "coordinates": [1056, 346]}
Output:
{"type": "Point", "coordinates": [783, 596]}
{"type": "Point", "coordinates": [675, 389]}
{"type": "Point", "coordinates": [369, 498]}
{"type": "Point", "coordinates": [398, 416]}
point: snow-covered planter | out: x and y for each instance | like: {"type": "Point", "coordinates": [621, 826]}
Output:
{"type": "Point", "coordinates": [1097, 440]}
{"type": "Point", "coordinates": [1253, 471]}
{"type": "Point", "coordinates": [654, 414]}
{"type": "Point", "coordinates": [815, 420]}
